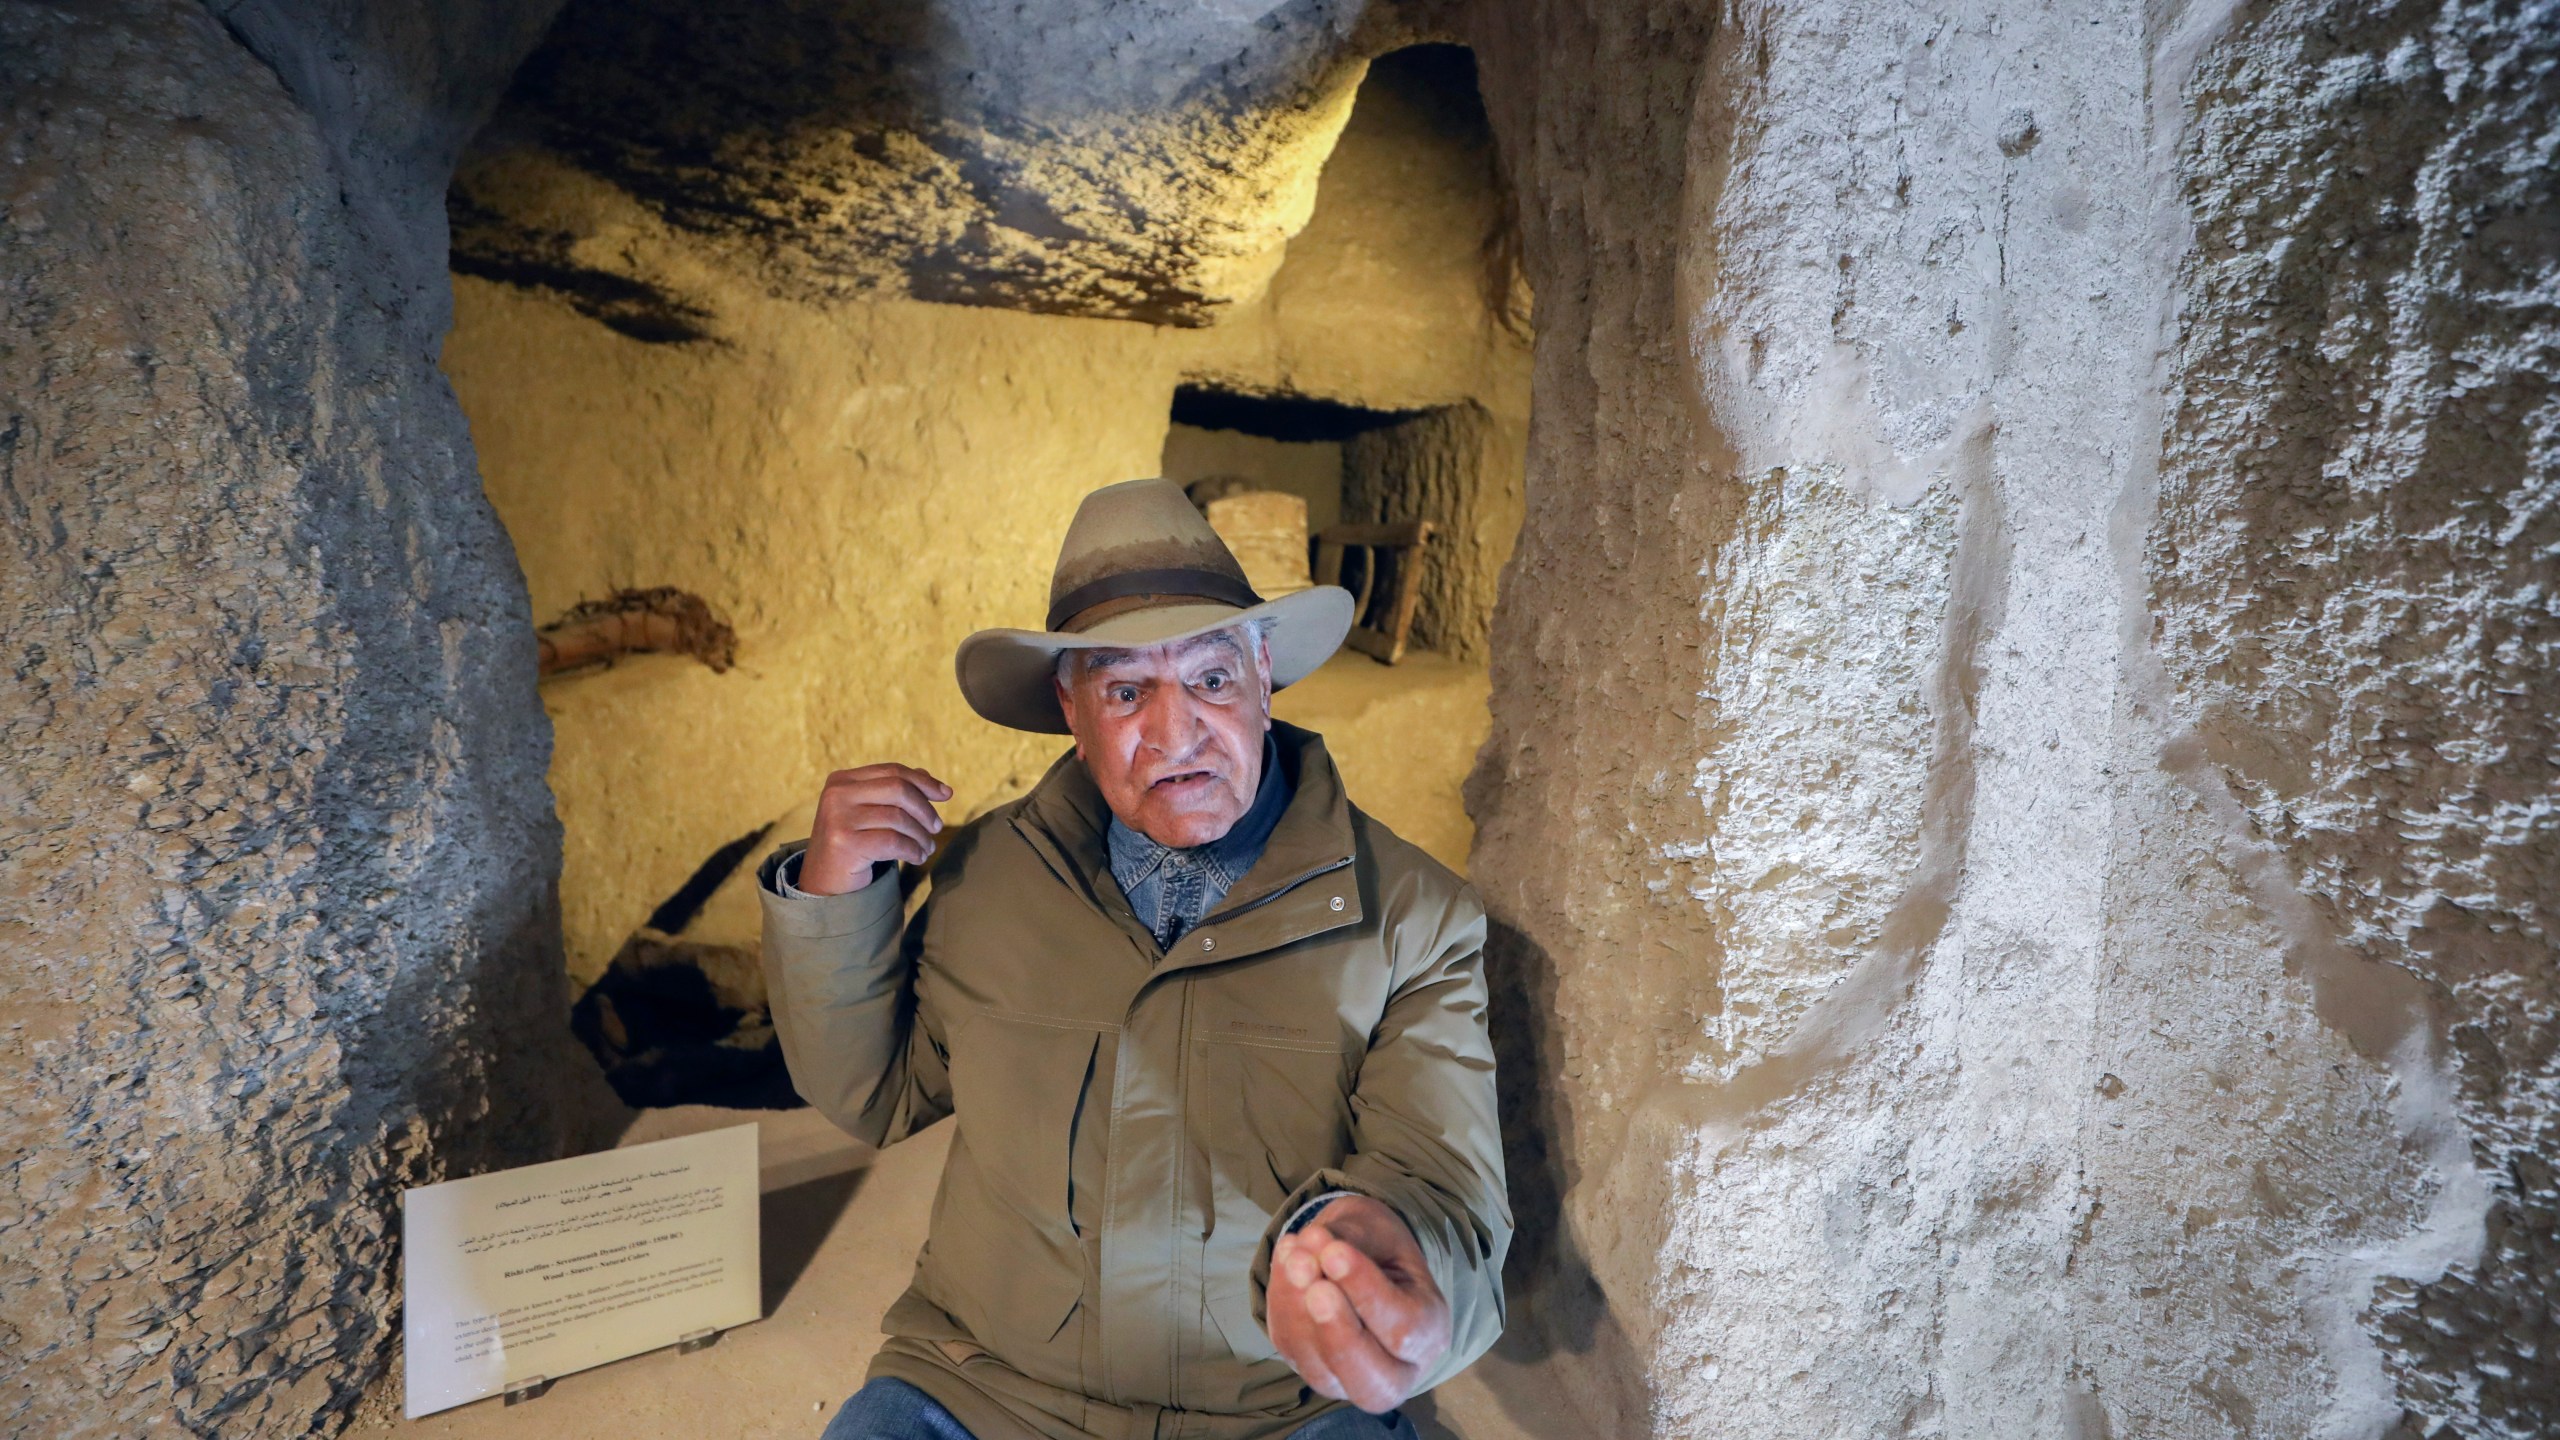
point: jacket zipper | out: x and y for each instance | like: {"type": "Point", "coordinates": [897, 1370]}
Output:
{"type": "Point", "coordinates": [1183, 1257]}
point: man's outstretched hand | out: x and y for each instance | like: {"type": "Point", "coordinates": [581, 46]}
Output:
{"type": "Point", "coordinates": [1353, 1307]}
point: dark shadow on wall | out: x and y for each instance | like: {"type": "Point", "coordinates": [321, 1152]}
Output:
{"type": "Point", "coordinates": [490, 246]}
{"type": "Point", "coordinates": [1564, 1364]}
{"type": "Point", "coordinates": [675, 1021]}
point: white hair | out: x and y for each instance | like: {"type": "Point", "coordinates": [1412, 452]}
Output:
{"type": "Point", "coordinates": [1256, 634]}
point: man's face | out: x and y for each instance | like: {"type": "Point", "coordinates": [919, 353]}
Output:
{"type": "Point", "coordinates": [1173, 733]}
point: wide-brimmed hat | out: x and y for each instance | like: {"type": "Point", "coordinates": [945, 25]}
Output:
{"type": "Point", "coordinates": [1141, 566]}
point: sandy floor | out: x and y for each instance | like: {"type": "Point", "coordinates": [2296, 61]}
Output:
{"type": "Point", "coordinates": [842, 1222]}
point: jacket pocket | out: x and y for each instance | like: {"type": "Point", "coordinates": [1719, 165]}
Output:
{"type": "Point", "coordinates": [1231, 1310]}
{"type": "Point", "coordinates": [1004, 1259]}
{"type": "Point", "coordinates": [1018, 1087]}
{"type": "Point", "coordinates": [1013, 1291]}
{"type": "Point", "coordinates": [1269, 1114]}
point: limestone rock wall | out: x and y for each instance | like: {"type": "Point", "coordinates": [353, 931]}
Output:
{"type": "Point", "coordinates": [2018, 820]}
{"type": "Point", "coordinates": [2352, 570]}
{"type": "Point", "coordinates": [1404, 291]}
{"type": "Point", "coordinates": [276, 859]}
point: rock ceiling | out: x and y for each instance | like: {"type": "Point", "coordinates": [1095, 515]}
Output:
{"type": "Point", "coordinates": [1132, 159]}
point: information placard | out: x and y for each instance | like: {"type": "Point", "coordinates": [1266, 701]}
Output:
{"type": "Point", "coordinates": [530, 1274]}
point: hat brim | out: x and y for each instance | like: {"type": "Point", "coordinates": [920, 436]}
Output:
{"type": "Point", "coordinates": [1006, 674]}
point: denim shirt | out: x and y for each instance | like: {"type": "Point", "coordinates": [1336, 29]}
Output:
{"type": "Point", "coordinates": [1172, 889]}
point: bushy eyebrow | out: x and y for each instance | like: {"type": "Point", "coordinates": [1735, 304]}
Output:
{"type": "Point", "coordinates": [1223, 639]}
{"type": "Point", "coordinates": [1097, 661]}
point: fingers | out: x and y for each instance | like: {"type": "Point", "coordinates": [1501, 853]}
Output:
{"type": "Point", "coordinates": [1292, 1329]}
{"type": "Point", "coordinates": [928, 788]}
{"type": "Point", "coordinates": [1305, 1358]}
{"type": "Point", "coordinates": [893, 831]}
{"type": "Point", "coordinates": [1322, 1332]}
{"type": "Point", "coordinates": [852, 795]}
{"type": "Point", "coordinates": [1369, 1377]}
{"type": "Point", "coordinates": [890, 784]}
{"type": "Point", "coordinates": [893, 771]}
{"type": "Point", "coordinates": [1412, 1327]}
{"type": "Point", "coordinates": [869, 814]}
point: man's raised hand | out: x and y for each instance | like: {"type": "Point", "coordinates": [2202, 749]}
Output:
{"type": "Point", "coordinates": [866, 815]}
{"type": "Point", "coordinates": [1353, 1307]}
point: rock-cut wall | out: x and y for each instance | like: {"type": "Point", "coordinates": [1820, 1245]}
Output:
{"type": "Point", "coordinates": [2353, 564]}
{"type": "Point", "coordinates": [1458, 469]}
{"type": "Point", "coordinates": [276, 859]}
{"type": "Point", "coordinates": [2020, 817]}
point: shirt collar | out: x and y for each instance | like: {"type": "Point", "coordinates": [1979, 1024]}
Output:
{"type": "Point", "coordinates": [1134, 856]}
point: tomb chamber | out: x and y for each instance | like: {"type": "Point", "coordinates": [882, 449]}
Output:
{"type": "Point", "coordinates": [2014, 566]}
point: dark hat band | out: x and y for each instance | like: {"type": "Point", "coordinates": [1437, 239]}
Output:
{"type": "Point", "coordinates": [1198, 584]}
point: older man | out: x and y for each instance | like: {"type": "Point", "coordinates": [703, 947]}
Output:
{"type": "Point", "coordinates": [1227, 1165]}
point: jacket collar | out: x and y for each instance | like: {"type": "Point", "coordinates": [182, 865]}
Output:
{"type": "Point", "coordinates": [1066, 820]}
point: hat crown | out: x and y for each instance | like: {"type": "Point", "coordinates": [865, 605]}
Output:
{"type": "Point", "coordinates": [1138, 529]}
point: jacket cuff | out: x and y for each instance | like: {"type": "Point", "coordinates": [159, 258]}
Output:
{"type": "Point", "coordinates": [1300, 1218]}
{"type": "Point", "coordinates": [792, 911]}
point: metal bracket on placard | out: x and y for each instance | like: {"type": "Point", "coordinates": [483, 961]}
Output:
{"type": "Point", "coordinates": [533, 1388]}
{"type": "Point", "coordinates": [697, 1340]}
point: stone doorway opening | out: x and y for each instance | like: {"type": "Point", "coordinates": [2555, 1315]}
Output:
{"type": "Point", "coordinates": [1447, 467]}
{"type": "Point", "coordinates": [1308, 489]}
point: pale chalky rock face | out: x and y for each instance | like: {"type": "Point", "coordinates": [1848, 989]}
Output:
{"type": "Point", "coordinates": [275, 854]}
{"type": "Point", "coordinates": [2020, 821]}
{"type": "Point", "coordinates": [1267, 530]}
{"type": "Point", "coordinates": [2353, 567]}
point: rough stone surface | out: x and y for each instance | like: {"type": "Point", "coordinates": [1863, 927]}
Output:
{"type": "Point", "coordinates": [2354, 567]}
{"type": "Point", "coordinates": [858, 485]}
{"type": "Point", "coordinates": [275, 857]}
{"type": "Point", "coordinates": [1459, 469]}
{"type": "Point", "coordinates": [1122, 158]}
{"type": "Point", "coordinates": [1308, 469]}
{"type": "Point", "coordinates": [2019, 812]}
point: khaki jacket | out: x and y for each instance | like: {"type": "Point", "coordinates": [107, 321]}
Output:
{"type": "Point", "coordinates": [1134, 1126]}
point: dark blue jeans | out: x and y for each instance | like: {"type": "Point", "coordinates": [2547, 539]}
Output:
{"type": "Point", "coordinates": [896, 1410]}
